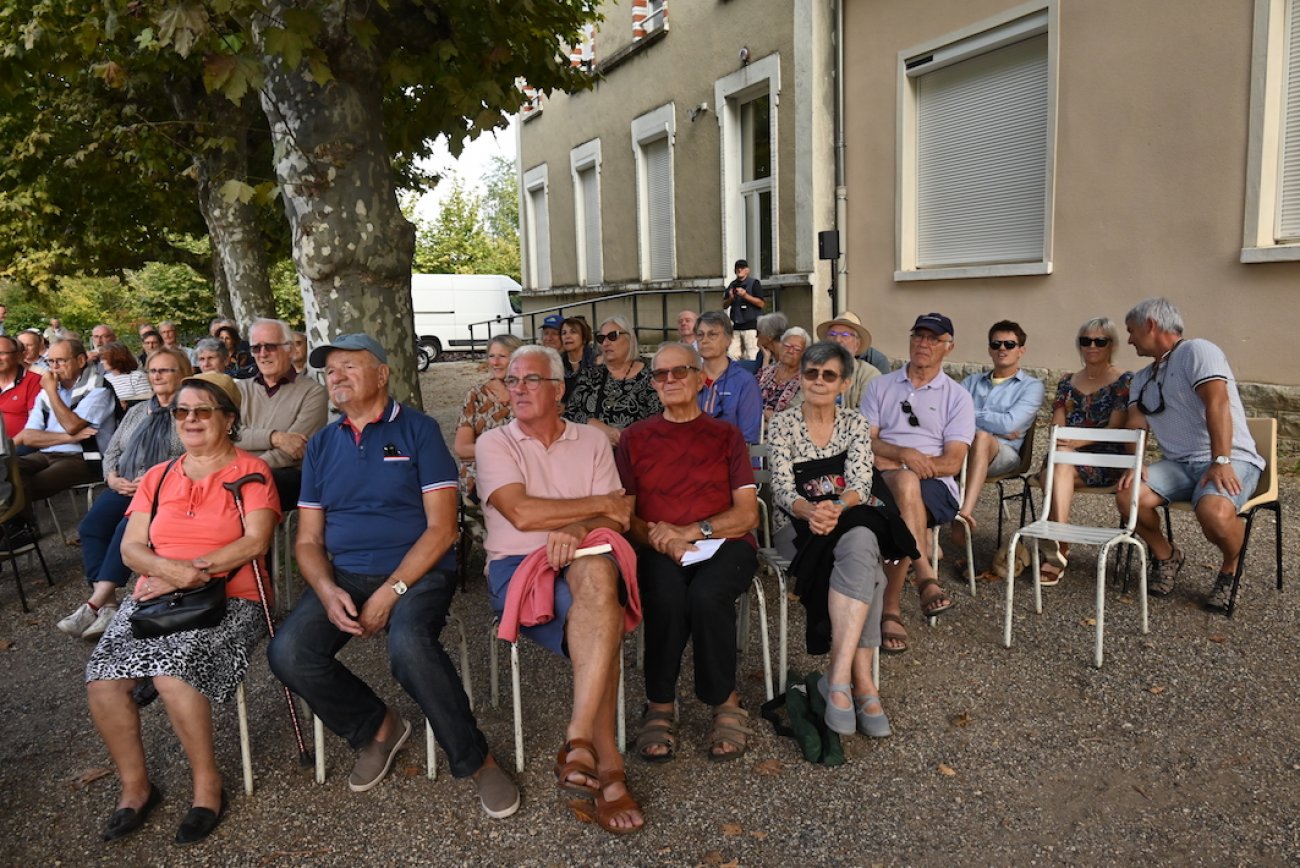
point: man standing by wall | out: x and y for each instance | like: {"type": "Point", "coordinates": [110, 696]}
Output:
{"type": "Point", "coordinates": [743, 300]}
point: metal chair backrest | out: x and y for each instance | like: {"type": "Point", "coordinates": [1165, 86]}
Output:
{"type": "Point", "coordinates": [1265, 433]}
{"type": "Point", "coordinates": [19, 500]}
{"type": "Point", "coordinates": [1132, 462]}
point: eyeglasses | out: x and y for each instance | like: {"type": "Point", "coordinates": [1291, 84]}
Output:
{"type": "Point", "coordinates": [203, 412]}
{"type": "Point", "coordinates": [257, 349]}
{"type": "Point", "coordinates": [929, 338]}
{"type": "Point", "coordinates": [531, 382]}
{"type": "Point", "coordinates": [57, 363]}
{"type": "Point", "coordinates": [1003, 345]}
{"type": "Point", "coordinates": [839, 334]}
{"type": "Point", "coordinates": [679, 372]}
{"type": "Point", "coordinates": [911, 415]}
{"type": "Point", "coordinates": [1085, 341]}
{"type": "Point", "coordinates": [825, 374]}
{"type": "Point", "coordinates": [610, 336]}
{"type": "Point", "coordinates": [161, 372]}
{"type": "Point", "coordinates": [794, 348]}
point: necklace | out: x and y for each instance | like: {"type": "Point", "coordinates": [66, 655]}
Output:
{"type": "Point", "coordinates": [626, 371]}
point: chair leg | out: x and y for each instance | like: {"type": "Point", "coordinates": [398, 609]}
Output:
{"type": "Point", "coordinates": [1101, 605]}
{"type": "Point", "coordinates": [245, 747]}
{"type": "Point", "coordinates": [494, 679]}
{"type": "Point", "coordinates": [1276, 507]}
{"type": "Point", "coordinates": [318, 730]}
{"type": "Point", "coordinates": [1011, 590]}
{"type": "Point", "coordinates": [518, 708]}
{"type": "Point", "coordinates": [764, 642]}
{"type": "Point", "coordinates": [1241, 564]}
{"type": "Point", "coordinates": [18, 578]}
{"type": "Point", "coordinates": [783, 619]}
{"type": "Point", "coordinates": [54, 515]}
{"type": "Point", "coordinates": [430, 751]}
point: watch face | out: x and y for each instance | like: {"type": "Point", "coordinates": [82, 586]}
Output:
{"type": "Point", "coordinates": [399, 588]}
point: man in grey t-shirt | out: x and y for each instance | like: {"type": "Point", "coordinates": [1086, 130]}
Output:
{"type": "Point", "coordinates": [1188, 399]}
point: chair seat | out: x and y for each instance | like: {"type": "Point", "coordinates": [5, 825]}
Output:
{"type": "Point", "coordinates": [1072, 533]}
{"type": "Point", "coordinates": [773, 557]}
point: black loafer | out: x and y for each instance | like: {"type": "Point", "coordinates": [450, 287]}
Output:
{"type": "Point", "coordinates": [126, 820]}
{"type": "Point", "coordinates": [199, 823]}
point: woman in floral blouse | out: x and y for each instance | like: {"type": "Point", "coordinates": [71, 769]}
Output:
{"type": "Point", "coordinates": [779, 383]}
{"type": "Point", "coordinates": [617, 393]}
{"type": "Point", "coordinates": [486, 406]}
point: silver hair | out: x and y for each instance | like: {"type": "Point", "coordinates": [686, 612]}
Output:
{"type": "Point", "coordinates": [508, 341]}
{"type": "Point", "coordinates": [1106, 326]}
{"type": "Point", "coordinates": [212, 345]}
{"type": "Point", "coordinates": [715, 318]}
{"type": "Point", "coordinates": [286, 333]}
{"type": "Point", "coordinates": [822, 352]}
{"type": "Point", "coordinates": [773, 325]}
{"type": "Point", "coordinates": [551, 356]}
{"type": "Point", "coordinates": [696, 361]}
{"type": "Point", "coordinates": [1159, 310]}
{"type": "Point", "coordinates": [796, 332]}
{"type": "Point", "coordinates": [621, 322]}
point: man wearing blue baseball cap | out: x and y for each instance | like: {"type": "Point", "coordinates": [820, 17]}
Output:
{"type": "Point", "coordinates": [550, 333]}
{"type": "Point", "coordinates": [922, 424]}
{"type": "Point", "coordinates": [376, 529]}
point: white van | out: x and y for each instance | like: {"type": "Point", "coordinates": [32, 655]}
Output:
{"type": "Point", "coordinates": [446, 304]}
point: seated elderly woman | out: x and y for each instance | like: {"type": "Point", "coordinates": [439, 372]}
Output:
{"type": "Point", "coordinates": [123, 373]}
{"type": "Point", "coordinates": [844, 527]}
{"type": "Point", "coordinates": [576, 352]}
{"type": "Point", "coordinates": [185, 531]}
{"type": "Point", "coordinates": [770, 328]}
{"type": "Point", "coordinates": [145, 437]}
{"type": "Point", "coordinates": [1094, 397]}
{"type": "Point", "coordinates": [778, 384]}
{"type": "Point", "coordinates": [692, 481]}
{"type": "Point", "coordinates": [211, 355]}
{"type": "Point", "coordinates": [617, 393]}
{"type": "Point", "coordinates": [487, 405]}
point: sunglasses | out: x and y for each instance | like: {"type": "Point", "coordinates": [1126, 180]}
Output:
{"type": "Point", "coordinates": [1160, 397]}
{"type": "Point", "coordinates": [826, 375]}
{"type": "Point", "coordinates": [609, 336]}
{"type": "Point", "coordinates": [679, 372]}
{"type": "Point", "coordinates": [258, 349]}
{"type": "Point", "coordinates": [1003, 345]}
{"type": "Point", "coordinates": [203, 412]}
{"type": "Point", "coordinates": [911, 415]}
{"type": "Point", "coordinates": [1094, 342]}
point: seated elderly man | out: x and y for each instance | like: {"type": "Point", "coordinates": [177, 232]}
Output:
{"type": "Point", "coordinates": [281, 409]}
{"type": "Point", "coordinates": [847, 331]}
{"type": "Point", "coordinates": [922, 423]}
{"type": "Point", "coordinates": [546, 484]}
{"type": "Point", "coordinates": [1006, 401]}
{"type": "Point", "coordinates": [730, 392]}
{"type": "Point", "coordinates": [692, 481]}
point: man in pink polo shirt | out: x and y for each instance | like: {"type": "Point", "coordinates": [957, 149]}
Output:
{"type": "Point", "coordinates": [546, 483]}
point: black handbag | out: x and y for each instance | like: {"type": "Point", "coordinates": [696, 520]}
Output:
{"type": "Point", "coordinates": [191, 609]}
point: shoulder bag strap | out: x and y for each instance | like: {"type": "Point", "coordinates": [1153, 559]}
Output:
{"type": "Point", "coordinates": [153, 508]}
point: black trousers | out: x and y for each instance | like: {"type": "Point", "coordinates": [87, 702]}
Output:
{"type": "Point", "coordinates": [696, 603]}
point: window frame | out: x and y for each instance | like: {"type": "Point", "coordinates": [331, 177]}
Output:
{"type": "Point", "coordinates": [1264, 149]}
{"type": "Point", "coordinates": [1006, 28]}
{"type": "Point", "coordinates": [730, 93]}
{"type": "Point", "coordinates": [654, 125]}
{"type": "Point", "coordinates": [538, 249]}
{"type": "Point", "coordinates": [586, 157]}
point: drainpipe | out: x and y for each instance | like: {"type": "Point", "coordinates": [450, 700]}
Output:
{"type": "Point", "coordinates": [841, 192]}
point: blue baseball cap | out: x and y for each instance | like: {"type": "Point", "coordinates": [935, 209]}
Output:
{"type": "Point", "coordinates": [934, 322]}
{"type": "Point", "coordinates": [358, 341]}
{"type": "Point", "coordinates": [554, 321]}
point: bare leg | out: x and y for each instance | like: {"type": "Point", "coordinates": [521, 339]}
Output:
{"type": "Point", "coordinates": [191, 717]}
{"type": "Point", "coordinates": [117, 718]}
{"type": "Point", "coordinates": [863, 683]}
{"type": "Point", "coordinates": [847, 618]}
{"type": "Point", "coordinates": [1148, 520]}
{"type": "Point", "coordinates": [906, 488]}
{"type": "Point", "coordinates": [103, 594]}
{"type": "Point", "coordinates": [1218, 518]}
{"type": "Point", "coordinates": [983, 449]}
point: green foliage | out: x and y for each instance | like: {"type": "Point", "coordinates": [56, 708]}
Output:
{"type": "Point", "coordinates": [288, 294]}
{"type": "Point", "coordinates": [472, 234]}
{"type": "Point", "coordinates": [174, 292]}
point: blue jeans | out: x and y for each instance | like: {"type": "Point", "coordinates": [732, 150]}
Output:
{"type": "Point", "coordinates": [101, 539]}
{"type": "Point", "coordinates": [303, 656]}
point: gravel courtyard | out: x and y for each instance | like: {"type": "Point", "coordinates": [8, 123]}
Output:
{"type": "Point", "coordinates": [1183, 749]}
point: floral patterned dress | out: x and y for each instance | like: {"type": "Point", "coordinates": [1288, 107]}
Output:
{"type": "Point", "coordinates": [1094, 411]}
{"type": "Point", "coordinates": [776, 396]}
{"type": "Point", "coordinates": [482, 410]}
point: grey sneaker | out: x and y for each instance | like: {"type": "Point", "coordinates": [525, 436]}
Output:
{"type": "Point", "coordinates": [1164, 573]}
{"type": "Point", "coordinates": [100, 624]}
{"type": "Point", "coordinates": [496, 792]}
{"type": "Point", "coordinates": [1220, 597]}
{"type": "Point", "coordinates": [76, 623]}
{"type": "Point", "coordinates": [375, 759]}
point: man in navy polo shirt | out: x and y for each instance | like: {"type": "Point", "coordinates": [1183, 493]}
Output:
{"type": "Point", "coordinates": [376, 522]}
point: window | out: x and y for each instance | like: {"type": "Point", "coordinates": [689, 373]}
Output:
{"type": "Point", "coordinates": [537, 223]}
{"type": "Point", "coordinates": [1272, 230]}
{"type": "Point", "coordinates": [977, 130]}
{"type": "Point", "coordinates": [652, 147]}
{"type": "Point", "coordinates": [648, 16]}
{"type": "Point", "coordinates": [584, 161]}
{"type": "Point", "coordinates": [747, 111]}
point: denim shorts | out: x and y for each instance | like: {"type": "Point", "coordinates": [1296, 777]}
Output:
{"type": "Point", "coordinates": [1176, 481]}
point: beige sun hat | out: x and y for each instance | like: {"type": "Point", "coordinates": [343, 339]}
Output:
{"type": "Point", "coordinates": [850, 319]}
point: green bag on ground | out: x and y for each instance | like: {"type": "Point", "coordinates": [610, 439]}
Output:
{"type": "Point", "coordinates": [804, 721]}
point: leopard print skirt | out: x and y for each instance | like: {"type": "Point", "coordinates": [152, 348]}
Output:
{"type": "Point", "coordinates": [212, 660]}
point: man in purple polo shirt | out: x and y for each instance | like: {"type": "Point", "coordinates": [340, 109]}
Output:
{"type": "Point", "coordinates": [922, 424]}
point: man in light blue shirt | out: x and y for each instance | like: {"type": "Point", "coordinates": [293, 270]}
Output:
{"type": "Point", "coordinates": [1006, 401]}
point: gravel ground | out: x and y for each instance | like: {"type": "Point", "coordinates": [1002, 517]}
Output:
{"type": "Point", "coordinates": [1183, 749]}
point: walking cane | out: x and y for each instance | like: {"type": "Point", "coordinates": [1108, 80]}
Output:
{"type": "Point", "coordinates": [304, 756]}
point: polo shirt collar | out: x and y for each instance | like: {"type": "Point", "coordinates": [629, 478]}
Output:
{"type": "Point", "coordinates": [516, 431]}
{"type": "Point", "coordinates": [283, 381]}
{"type": "Point", "coordinates": [388, 414]}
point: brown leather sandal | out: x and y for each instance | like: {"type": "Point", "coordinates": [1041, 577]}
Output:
{"type": "Point", "coordinates": [565, 768]}
{"type": "Point", "coordinates": [606, 809]}
{"type": "Point", "coordinates": [938, 603]}
{"type": "Point", "coordinates": [896, 636]}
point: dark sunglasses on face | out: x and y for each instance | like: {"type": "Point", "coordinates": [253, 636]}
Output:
{"type": "Point", "coordinates": [203, 412]}
{"type": "Point", "coordinates": [911, 415]}
{"type": "Point", "coordinates": [679, 372]}
{"type": "Point", "coordinates": [609, 336]}
{"type": "Point", "coordinates": [1085, 341]}
{"type": "Point", "coordinates": [825, 374]}
{"type": "Point", "coordinates": [1003, 345]}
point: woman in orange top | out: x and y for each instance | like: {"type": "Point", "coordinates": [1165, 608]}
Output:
{"type": "Point", "coordinates": [195, 536]}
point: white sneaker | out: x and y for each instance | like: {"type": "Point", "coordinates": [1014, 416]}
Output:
{"type": "Point", "coordinates": [102, 620]}
{"type": "Point", "coordinates": [76, 623]}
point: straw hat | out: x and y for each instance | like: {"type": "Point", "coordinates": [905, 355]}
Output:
{"type": "Point", "coordinates": [850, 319]}
{"type": "Point", "coordinates": [222, 382]}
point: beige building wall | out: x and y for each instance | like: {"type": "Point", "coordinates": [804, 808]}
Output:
{"type": "Point", "coordinates": [1153, 109]}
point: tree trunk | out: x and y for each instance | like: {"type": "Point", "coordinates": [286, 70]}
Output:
{"type": "Point", "coordinates": [351, 244]}
{"type": "Point", "coordinates": [220, 287]}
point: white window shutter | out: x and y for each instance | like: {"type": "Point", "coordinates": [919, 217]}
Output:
{"type": "Point", "coordinates": [1288, 211]}
{"type": "Point", "coordinates": [541, 238]}
{"type": "Point", "coordinates": [659, 199]}
{"type": "Point", "coordinates": [591, 225]}
{"type": "Point", "coordinates": [981, 157]}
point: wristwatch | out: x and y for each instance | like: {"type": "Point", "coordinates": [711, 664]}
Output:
{"type": "Point", "coordinates": [1223, 459]}
{"type": "Point", "coordinates": [399, 587]}
{"type": "Point", "coordinates": [706, 528]}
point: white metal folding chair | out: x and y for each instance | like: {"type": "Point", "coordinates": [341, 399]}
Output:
{"type": "Point", "coordinates": [1105, 537]}
{"type": "Point", "coordinates": [960, 519]}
